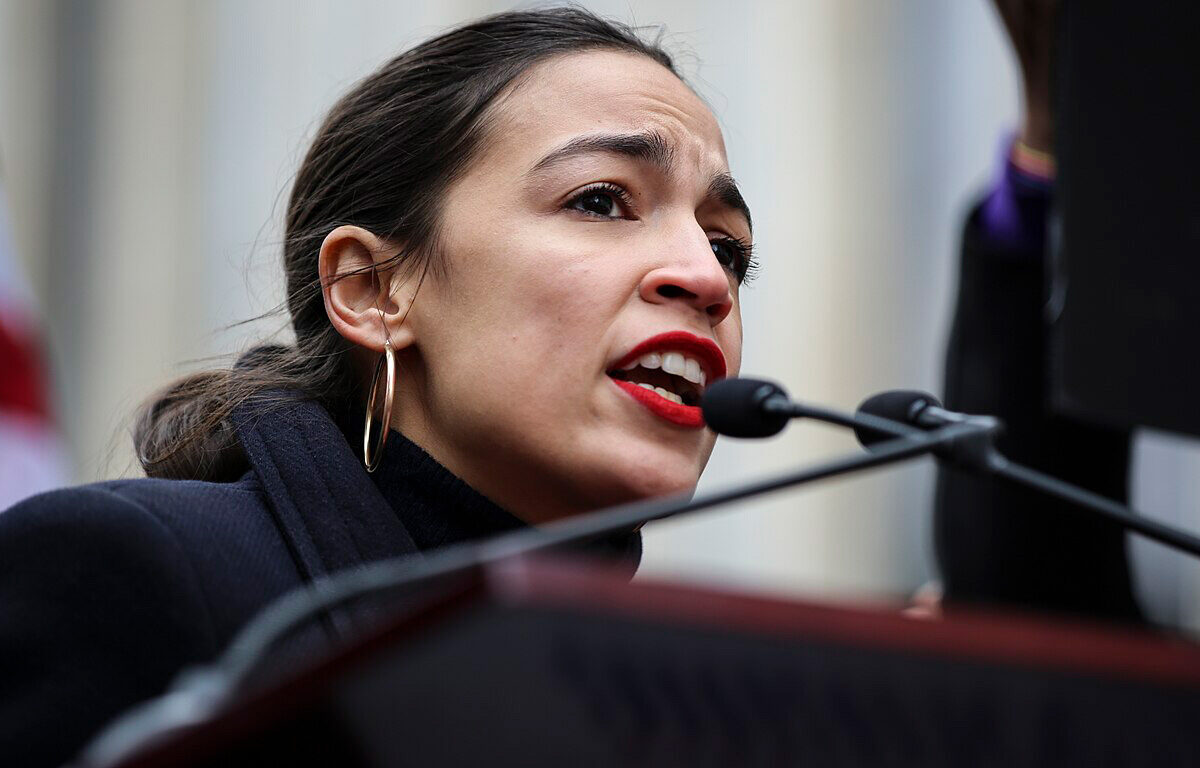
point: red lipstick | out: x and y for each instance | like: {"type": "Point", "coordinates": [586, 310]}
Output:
{"type": "Point", "coordinates": [702, 350]}
{"type": "Point", "coordinates": [682, 415]}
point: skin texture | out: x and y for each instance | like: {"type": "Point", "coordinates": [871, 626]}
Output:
{"type": "Point", "coordinates": [1030, 28]}
{"type": "Point", "coordinates": [504, 351]}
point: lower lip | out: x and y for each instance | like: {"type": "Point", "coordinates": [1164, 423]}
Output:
{"type": "Point", "coordinates": [680, 415]}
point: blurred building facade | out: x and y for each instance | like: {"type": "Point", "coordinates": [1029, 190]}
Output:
{"type": "Point", "coordinates": [148, 147]}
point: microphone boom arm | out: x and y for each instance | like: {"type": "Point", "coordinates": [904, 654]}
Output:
{"type": "Point", "coordinates": [921, 411]}
{"type": "Point", "coordinates": [1107, 508]}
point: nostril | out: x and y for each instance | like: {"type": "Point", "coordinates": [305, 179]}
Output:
{"type": "Point", "coordinates": [669, 291]}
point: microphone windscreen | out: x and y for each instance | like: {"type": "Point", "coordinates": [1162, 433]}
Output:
{"type": "Point", "coordinates": [734, 407]}
{"type": "Point", "coordinates": [902, 405]}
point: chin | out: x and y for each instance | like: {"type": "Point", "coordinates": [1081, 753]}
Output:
{"type": "Point", "coordinates": [633, 476]}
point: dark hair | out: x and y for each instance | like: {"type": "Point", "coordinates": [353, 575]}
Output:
{"type": "Point", "coordinates": [381, 160]}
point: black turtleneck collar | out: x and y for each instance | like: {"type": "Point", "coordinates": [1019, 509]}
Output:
{"type": "Point", "coordinates": [438, 508]}
{"type": "Point", "coordinates": [435, 506]}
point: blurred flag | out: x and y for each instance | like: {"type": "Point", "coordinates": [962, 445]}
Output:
{"type": "Point", "coordinates": [31, 455]}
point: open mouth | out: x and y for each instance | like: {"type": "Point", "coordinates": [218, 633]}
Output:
{"type": "Point", "coordinates": [671, 375]}
{"type": "Point", "coordinates": [668, 373]}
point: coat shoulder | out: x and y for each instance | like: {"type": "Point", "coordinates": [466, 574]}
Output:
{"type": "Point", "coordinates": [64, 531]}
{"type": "Point", "coordinates": [109, 590]}
{"type": "Point", "coordinates": [221, 537]}
{"type": "Point", "coordinates": [100, 611]}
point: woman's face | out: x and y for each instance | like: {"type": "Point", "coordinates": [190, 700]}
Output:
{"type": "Point", "coordinates": [595, 231]}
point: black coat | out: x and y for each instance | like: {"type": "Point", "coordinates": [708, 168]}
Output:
{"type": "Point", "coordinates": [108, 590]}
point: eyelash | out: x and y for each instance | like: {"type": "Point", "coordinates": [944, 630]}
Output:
{"type": "Point", "coordinates": [603, 187]}
{"type": "Point", "coordinates": [745, 267]}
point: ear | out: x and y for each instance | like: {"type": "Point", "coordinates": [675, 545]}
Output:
{"type": "Point", "coordinates": [358, 291]}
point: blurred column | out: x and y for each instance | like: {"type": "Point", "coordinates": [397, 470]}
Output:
{"type": "Point", "coordinates": [27, 89]}
{"type": "Point", "coordinates": [137, 288]}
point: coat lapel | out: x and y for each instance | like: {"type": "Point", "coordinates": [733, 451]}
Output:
{"type": "Point", "coordinates": [330, 513]}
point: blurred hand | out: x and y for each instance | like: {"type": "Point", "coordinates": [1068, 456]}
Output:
{"type": "Point", "coordinates": [1030, 26]}
{"type": "Point", "coordinates": [926, 602]}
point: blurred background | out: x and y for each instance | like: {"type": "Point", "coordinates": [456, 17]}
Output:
{"type": "Point", "coordinates": [147, 148]}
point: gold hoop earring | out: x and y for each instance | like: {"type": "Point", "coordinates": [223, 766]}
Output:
{"type": "Point", "coordinates": [371, 458]}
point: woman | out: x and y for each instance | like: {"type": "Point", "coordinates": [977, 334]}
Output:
{"type": "Point", "coordinates": [513, 257]}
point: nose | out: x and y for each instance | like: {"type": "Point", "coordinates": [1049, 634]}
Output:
{"type": "Point", "coordinates": [693, 277]}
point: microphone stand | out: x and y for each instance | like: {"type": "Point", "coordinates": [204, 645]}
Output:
{"type": "Point", "coordinates": [198, 693]}
{"type": "Point", "coordinates": [1120, 514]}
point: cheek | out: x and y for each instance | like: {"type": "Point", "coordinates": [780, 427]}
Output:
{"type": "Point", "coordinates": [527, 320]}
{"type": "Point", "coordinates": [729, 337]}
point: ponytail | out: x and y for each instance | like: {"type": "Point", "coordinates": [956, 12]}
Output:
{"type": "Point", "coordinates": [186, 431]}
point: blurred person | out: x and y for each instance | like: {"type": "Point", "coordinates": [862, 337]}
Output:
{"type": "Point", "coordinates": [31, 453]}
{"type": "Point", "coordinates": [513, 257]}
{"type": "Point", "coordinates": [996, 542]}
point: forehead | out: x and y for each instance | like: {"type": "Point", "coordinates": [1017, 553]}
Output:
{"type": "Point", "coordinates": [601, 92]}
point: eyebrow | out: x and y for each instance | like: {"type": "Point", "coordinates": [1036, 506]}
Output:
{"type": "Point", "coordinates": [650, 147]}
{"type": "Point", "coordinates": [724, 189]}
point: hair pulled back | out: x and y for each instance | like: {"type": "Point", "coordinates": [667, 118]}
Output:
{"type": "Point", "coordinates": [382, 160]}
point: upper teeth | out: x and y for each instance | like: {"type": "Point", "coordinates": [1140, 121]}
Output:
{"type": "Point", "coordinates": [675, 363]}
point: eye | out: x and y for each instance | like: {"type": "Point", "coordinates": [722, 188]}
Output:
{"type": "Point", "coordinates": [604, 201]}
{"type": "Point", "coordinates": [736, 255]}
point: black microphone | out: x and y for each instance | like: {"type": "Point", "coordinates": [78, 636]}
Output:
{"type": "Point", "coordinates": [745, 408]}
{"type": "Point", "coordinates": [902, 405]}
{"type": "Point", "coordinates": [923, 411]}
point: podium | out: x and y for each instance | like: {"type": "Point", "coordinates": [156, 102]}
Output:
{"type": "Point", "coordinates": [541, 662]}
